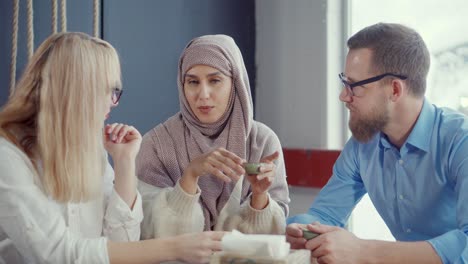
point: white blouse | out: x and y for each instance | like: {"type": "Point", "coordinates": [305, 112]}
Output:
{"type": "Point", "coordinates": [36, 229]}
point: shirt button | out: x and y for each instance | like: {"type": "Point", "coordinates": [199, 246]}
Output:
{"type": "Point", "coordinates": [401, 197]}
{"type": "Point", "coordinates": [408, 230]}
{"type": "Point", "coordinates": [401, 162]}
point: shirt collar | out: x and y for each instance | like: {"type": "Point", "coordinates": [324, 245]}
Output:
{"type": "Point", "coordinates": [420, 136]}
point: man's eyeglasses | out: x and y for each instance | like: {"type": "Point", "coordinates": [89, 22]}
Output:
{"type": "Point", "coordinates": [116, 94]}
{"type": "Point", "coordinates": [350, 86]}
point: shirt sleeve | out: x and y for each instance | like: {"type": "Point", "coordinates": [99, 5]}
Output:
{"type": "Point", "coordinates": [452, 247]}
{"type": "Point", "coordinates": [335, 202]}
{"type": "Point", "coordinates": [120, 222]}
{"type": "Point", "coordinates": [33, 223]}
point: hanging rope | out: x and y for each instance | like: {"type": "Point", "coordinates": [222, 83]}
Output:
{"type": "Point", "coordinates": [14, 45]}
{"type": "Point", "coordinates": [63, 16]}
{"type": "Point", "coordinates": [54, 16]}
{"type": "Point", "coordinates": [96, 19]}
{"type": "Point", "coordinates": [30, 29]}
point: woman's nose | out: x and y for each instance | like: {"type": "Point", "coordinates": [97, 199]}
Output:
{"type": "Point", "coordinates": [204, 90]}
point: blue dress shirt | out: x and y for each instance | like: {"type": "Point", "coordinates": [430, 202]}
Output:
{"type": "Point", "coordinates": [420, 191]}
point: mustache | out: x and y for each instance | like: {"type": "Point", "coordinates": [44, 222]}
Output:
{"type": "Point", "coordinates": [350, 107]}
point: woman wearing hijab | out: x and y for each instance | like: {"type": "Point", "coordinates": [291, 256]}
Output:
{"type": "Point", "coordinates": [191, 166]}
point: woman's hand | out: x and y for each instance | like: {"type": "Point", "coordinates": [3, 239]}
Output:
{"type": "Point", "coordinates": [121, 141]}
{"type": "Point", "coordinates": [198, 247]}
{"type": "Point", "coordinates": [262, 181]}
{"type": "Point", "coordinates": [220, 162]}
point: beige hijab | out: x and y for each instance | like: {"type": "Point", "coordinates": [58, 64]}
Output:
{"type": "Point", "coordinates": [183, 137]}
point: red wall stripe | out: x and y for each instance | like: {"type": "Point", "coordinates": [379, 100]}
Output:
{"type": "Point", "coordinates": [309, 168]}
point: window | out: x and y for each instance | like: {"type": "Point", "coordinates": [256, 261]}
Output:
{"type": "Point", "coordinates": [444, 33]}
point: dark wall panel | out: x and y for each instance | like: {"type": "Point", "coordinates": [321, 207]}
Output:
{"type": "Point", "coordinates": [149, 36]}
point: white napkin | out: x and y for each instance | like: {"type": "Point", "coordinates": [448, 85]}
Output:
{"type": "Point", "coordinates": [274, 246]}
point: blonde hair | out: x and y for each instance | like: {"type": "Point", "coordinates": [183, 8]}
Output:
{"type": "Point", "coordinates": [57, 112]}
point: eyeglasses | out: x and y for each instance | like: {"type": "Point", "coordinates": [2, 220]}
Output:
{"type": "Point", "coordinates": [354, 92]}
{"type": "Point", "coordinates": [116, 94]}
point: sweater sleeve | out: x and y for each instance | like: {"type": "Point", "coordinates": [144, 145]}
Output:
{"type": "Point", "coordinates": [270, 220]}
{"type": "Point", "coordinates": [169, 211]}
{"type": "Point", "coordinates": [167, 208]}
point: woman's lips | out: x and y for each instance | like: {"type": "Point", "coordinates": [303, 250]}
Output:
{"type": "Point", "coordinates": [205, 109]}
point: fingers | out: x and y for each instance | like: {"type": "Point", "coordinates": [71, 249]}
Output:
{"type": "Point", "coordinates": [223, 164]}
{"type": "Point", "coordinates": [119, 133]}
{"type": "Point", "coordinates": [319, 228]}
{"type": "Point", "coordinates": [231, 156]}
{"type": "Point", "coordinates": [268, 167]}
{"type": "Point", "coordinates": [266, 175]}
{"type": "Point", "coordinates": [112, 131]}
{"type": "Point", "coordinates": [316, 244]}
{"type": "Point", "coordinates": [231, 167]}
{"type": "Point", "coordinates": [317, 251]}
{"type": "Point", "coordinates": [295, 229]}
{"type": "Point", "coordinates": [132, 134]}
{"type": "Point", "coordinates": [217, 235]}
{"type": "Point", "coordinates": [294, 236]}
{"type": "Point", "coordinates": [230, 159]}
{"type": "Point", "coordinates": [322, 260]}
{"type": "Point", "coordinates": [217, 172]}
{"type": "Point", "coordinates": [270, 158]}
{"type": "Point", "coordinates": [217, 246]}
{"type": "Point", "coordinates": [215, 239]}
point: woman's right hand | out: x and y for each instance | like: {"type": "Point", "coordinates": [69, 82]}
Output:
{"type": "Point", "coordinates": [220, 162]}
{"type": "Point", "coordinates": [198, 247]}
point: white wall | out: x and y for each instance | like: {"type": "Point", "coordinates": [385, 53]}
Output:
{"type": "Point", "coordinates": [299, 53]}
{"type": "Point", "coordinates": [291, 70]}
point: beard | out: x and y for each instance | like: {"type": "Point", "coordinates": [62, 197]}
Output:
{"type": "Point", "coordinates": [364, 128]}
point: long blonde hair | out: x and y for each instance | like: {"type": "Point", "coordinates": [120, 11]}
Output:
{"type": "Point", "coordinates": [56, 113]}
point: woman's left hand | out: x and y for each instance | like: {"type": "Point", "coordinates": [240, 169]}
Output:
{"type": "Point", "coordinates": [262, 181]}
{"type": "Point", "coordinates": [121, 141]}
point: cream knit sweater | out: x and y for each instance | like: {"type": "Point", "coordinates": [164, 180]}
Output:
{"type": "Point", "coordinates": [172, 211]}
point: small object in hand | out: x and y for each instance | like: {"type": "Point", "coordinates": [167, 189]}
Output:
{"type": "Point", "coordinates": [308, 235]}
{"type": "Point", "coordinates": [253, 168]}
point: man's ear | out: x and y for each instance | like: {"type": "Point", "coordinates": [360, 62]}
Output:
{"type": "Point", "coordinates": [398, 88]}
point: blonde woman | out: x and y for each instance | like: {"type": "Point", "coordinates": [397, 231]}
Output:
{"type": "Point", "coordinates": [191, 166]}
{"type": "Point", "coordinates": [60, 200]}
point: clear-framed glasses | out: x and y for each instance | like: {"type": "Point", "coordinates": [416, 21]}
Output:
{"type": "Point", "coordinates": [116, 94]}
{"type": "Point", "coordinates": [355, 92]}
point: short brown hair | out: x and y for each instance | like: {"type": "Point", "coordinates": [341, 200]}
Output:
{"type": "Point", "coordinates": [396, 49]}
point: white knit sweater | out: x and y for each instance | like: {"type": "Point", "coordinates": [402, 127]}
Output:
{"type": "Point", "coordinates": [172, 211]}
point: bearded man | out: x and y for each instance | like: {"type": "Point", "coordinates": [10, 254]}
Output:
{"type": "Point", "coordinates": [410, 156]}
